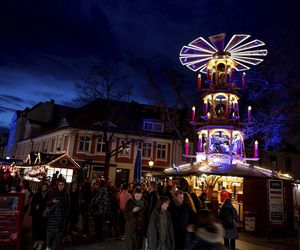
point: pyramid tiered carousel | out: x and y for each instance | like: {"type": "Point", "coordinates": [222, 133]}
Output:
{"type": "Point", "coordinates": [221, 147]}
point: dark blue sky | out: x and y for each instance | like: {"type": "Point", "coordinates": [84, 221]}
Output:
{"type": "Point", "coordinates": [47, 46]}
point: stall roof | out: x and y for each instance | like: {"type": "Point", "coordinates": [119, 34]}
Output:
{"type": "Point", "coordinates": [240, 170]}
{"type": "Point", "coordinates": [52, 160]}
{"type": "Point", "coordinates": [232, 170]}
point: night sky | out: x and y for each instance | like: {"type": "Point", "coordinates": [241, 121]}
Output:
{"type": "Point", "coordinates": [47, 46]}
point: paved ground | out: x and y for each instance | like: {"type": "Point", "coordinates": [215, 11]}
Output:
{"type": "Point", "coordinates": [245, 242]}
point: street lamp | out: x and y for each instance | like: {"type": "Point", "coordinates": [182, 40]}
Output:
{"type": "Point", "coordinates": [151, 163]}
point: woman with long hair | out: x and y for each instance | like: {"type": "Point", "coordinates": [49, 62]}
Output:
{"type": "Point", "coordinates": [160, 231]}
{"type": "Point", "coordinates": [58, 206]}
{"type": "Point", "coordinates": [187, 199]}
{"type": "Point", "coordinates": [228, 217]}
{"type": "Point", "coordinates": [197, 202]}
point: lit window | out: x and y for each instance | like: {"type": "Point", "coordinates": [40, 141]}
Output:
{"type": "Point", "coordinates": [147, 150]}
{"type": "Point", "coordinates": [100, 145]}
{"type": "Point", "coordinates": [161, 151]}
{"type": "Point", "coordinates": [148, 126]}
{"type": "Point", "coordinates": [84, 143]}
{"type": "Point", "coordinates": [153, 126]}
{"type": "Point", "coordinates": [66, 173]}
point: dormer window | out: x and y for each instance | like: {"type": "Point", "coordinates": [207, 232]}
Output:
{"type": "Point", "coordinates": [63, 123]}
{"type": "Point", "coordinates": [158, 127]}
{"type": "Point", "coordinates": [153, 126]}
{"type": "Point", "coordinates": [148, 126]}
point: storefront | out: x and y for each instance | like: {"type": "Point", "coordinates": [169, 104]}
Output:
{"type": "Point", "coordinates": [261, 197]}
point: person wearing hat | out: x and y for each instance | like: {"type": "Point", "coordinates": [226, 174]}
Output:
{"type": "Point", "coordinates": [135, 216]}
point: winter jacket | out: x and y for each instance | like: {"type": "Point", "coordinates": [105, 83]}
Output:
{"type": "Point", "coordinates": [134, 224]}
{"type": "Point", "coordinates": [228, 217]}
{"type": "Point", "coordinates": [180, 219]}
{"type": "Point", "coordinates": [100, 203]}
{"type": "Point", "coordinates": [58, 211]}
{"type": "Point", "coordinates": [123, 198]}
{"type": "Point", "coordinates": [154, 229]}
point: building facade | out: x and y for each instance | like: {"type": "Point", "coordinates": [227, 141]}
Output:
{"type": "Point", "coordinates": [83, 134]}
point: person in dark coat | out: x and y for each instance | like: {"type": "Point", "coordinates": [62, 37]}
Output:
{"type": "Point", "coordinates": [74, 210]}
{"type": "Point", "coordinates": [135, 216]}
{"type": "Point", "coordinates": [206, 234]}
{"type": "Point", "coordinates": [152, 198]}
{"type": "Point", "coordinates": [58, 205]}
{"type": "Point", "coordinates": [160, 234]}
{"type": "Point", "coordinates": [180, 219]}
{"type": "Point", "coordinates": [197, 202]}
{"type": "Point", "coordinates": [228, 217]}
{"type": "Point", "coordinates": [99, 209]}
{"type": "Point", "coordinates": [39, 222]}
{"type": "Point", "coordinates": [85, 200]}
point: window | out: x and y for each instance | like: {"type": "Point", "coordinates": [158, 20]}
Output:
{"type": "Point", "coordinates": [66, 172]}
{"type": "Point", "coordinates": [100, 145]}
{"type": "Point", "coordinates": [125, 151]}
{"type": "Point", "coordinates": [153, 126]}
{"type": "Point", "coordinates": [66, 141]}
{"type": "Point", "coordinates": [59, 143]}
{"type": "Point", "coordinates": [161, 151]}
{"type": "Point", "coordinates": [288, 164]}
{"type": "Point", "coordinates": [273, 160]}
{"type": "Point", "coordinates": [46, 146]}
{"type": "Point", "coordinates": [63, 123]}
{"type": "Point", "coordinates": [147, 150]}
{"type": "Point", "coordinates": [52, 144]}
{"type": "Point", "coordinates": [148, 126]}
{"type": "Point", "coordinates": [158, 127]}
{"type": "Point", "coordinates": [84, 143]}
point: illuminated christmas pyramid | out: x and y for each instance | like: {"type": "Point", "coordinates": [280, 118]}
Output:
{"type": "Point", "coordinates": [221, 141]}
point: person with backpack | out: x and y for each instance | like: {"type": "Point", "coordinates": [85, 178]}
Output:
{"type": "Point", "coordinates": [228, 216]}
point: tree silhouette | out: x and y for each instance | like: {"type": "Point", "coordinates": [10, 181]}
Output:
{"type": "Point", "coordinates": [106, 83]}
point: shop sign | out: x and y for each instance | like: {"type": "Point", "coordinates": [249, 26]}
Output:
{"type": "Point", "coordinates": [10, 219]}
{"type": "Point", "coordinates": [276, 208]}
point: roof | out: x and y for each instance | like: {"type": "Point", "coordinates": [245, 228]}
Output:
{"type": "Point", "coordinates": [123, 117]}
{"type": "Point", "coordinates": [232, 170]}
{"type": "Point", "coordinates": [53, 160]}
{"type": "Point", "coordinates": [239, 170]}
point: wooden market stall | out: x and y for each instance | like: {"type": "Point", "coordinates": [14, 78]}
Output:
{"type": "Point", "coordinates": [41, 167]}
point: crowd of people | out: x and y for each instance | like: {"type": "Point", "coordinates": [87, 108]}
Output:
{"type": "Point", "coordinates": [147, 216]}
